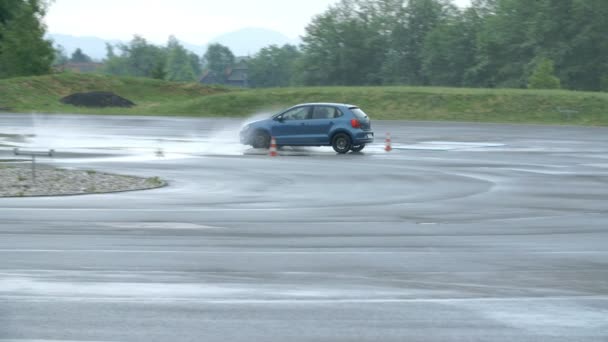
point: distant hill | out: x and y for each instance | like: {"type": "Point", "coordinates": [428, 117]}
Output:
{"type": "Point", "coordinates": [243, 42]}
{"type": "Point", "coordinates": [94, 47]}
{"type": "Point", "coordinates": [248, 41]}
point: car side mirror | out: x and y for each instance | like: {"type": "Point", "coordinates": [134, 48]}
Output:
{"type": "Point", "coordinates": [279, 118]}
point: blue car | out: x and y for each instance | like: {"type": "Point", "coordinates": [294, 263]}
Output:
{"type": "Point", "coordinates": [344, 127]}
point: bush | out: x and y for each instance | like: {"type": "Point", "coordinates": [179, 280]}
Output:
{"type": "Point", "coordinates": [543, 76]}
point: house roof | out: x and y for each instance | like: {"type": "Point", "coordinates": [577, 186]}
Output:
{"type": "Point", "coordinates": [234, 74]}
{"type": "Point", "coordinates": [238, 75]}
{"type": "Point", "coordinates": [209, 77]}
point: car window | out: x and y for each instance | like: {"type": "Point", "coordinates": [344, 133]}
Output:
{"type": "Point", "coordinates": [325, 112]}
{"type": "Point", "coordinates": [358, 113]}
{"type": "Point", "coordinates": [300, 113]}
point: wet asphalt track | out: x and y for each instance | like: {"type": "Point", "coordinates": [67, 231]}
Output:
{"type": "Point", "coordinates": [465, 232]}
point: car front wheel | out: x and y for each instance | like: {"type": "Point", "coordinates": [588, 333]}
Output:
{"type": "Point", "coordinates": [261, 140]}
{"type": "Point", "coordinates": [341, 143]}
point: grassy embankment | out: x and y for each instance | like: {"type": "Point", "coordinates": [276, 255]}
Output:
{"type": "Point", "coordinates": [42, 94]}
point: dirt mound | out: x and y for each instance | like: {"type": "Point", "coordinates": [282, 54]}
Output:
{"type": "Point", "coordinates": [97, 99]}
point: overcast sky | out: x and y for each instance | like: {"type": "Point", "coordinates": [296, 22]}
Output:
{"type": "Point", "coordinates": [194, 21]}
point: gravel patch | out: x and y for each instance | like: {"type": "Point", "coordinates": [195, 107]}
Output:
{"type": "Point", "coordinates": [16, 181]}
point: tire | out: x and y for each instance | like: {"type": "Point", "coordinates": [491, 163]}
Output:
{"type": "Point", "coordinates": [357, 148]}
{"type": "Point", "coordinates": [341, 143]}
{"type": "Point", "coordinates": [261, 140]}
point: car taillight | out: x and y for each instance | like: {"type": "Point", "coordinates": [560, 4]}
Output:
{"type": "Point", "coordinates": [355, 123]}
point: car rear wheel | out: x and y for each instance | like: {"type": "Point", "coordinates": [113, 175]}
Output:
{"type": "Point", "coordinates": [261, 140]}
{"type": "Point", "coordinates": [341, 143]}
{"type": "Point", "coordinates": [358, 148]}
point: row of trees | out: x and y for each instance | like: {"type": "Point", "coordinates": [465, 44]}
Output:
{"type": "Point", "coordinates": [23, 49]}
{"type": "Point", "coordinates": [78, 56]}
{"type": "Point", "coordinates": [172, 62]}
{"type": "Point", "coordinates": [492, 43]}
{"type": "Point", "coordinates": [272, 66]}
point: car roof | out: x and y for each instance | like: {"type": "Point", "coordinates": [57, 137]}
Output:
{"type": "Point", "coordinates": [339, 105]}
{"type": "Point", "coordinates": [326, 104]}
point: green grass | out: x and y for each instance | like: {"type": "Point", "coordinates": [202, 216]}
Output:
{"type": "Point", "coordinates": [422, 103]}
{"type": "Point", "coordinates": [42, 94]}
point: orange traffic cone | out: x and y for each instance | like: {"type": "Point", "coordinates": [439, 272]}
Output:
{"type": "Point", "coordinates": [388, 146]}
{"type": "Point", "coordinates": [273, 147]}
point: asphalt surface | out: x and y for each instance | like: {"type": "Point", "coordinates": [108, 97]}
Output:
{"type": "Point", "coordinates": [465, 232]}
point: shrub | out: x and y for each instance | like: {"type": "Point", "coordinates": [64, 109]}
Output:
{"type": "Point", "coordinates": [543, 76]}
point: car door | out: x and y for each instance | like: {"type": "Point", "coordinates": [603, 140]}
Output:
{"type": "Point", "coordinates": [320, 124]}
{"type": "Point", "coordinates": [290, 126]}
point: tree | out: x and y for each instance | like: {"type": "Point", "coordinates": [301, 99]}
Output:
{"type": "Point", "coordinates": [404, 63]}
{"type": "Point", "coordinates": [61, 57]}
{"type": "Point", "coordinates": [484, 8]}
{"type": "Point", "coordinates": [543, 76]}
{"type": "Point", "coordinates": [273, 66]}
{"type": "Point", "coordinates": [113, 64]}
{"type": "Point", "coordinates": [196, 64]}
{"type": "Point", "coordinates": [144, 59]}
{"type": "Point", "coordinates": [449, 50]}
{"type": "Point", "coordinates": [217, 59]}
{"type": "Point", "coordinates": [180, 65]}
{"type": "Point", "coordinates": [7, 10]}
{"type": "Point", "coordinates": [141, 59]}
{"type": "Point", "coordinates": [23, 49]}
{"type": "Point", "coordinates": [569, 32]}
{"type": "Point", "coordinates": [359, 42]}
{"type": "Point", "coordinates": [80, 57]}
{"type": "Point", "coordinates": [138, 58]}
{"type": "Point", "coordinates": [346, 45]}
{"type": "Point", "coordinates": [582, 62]}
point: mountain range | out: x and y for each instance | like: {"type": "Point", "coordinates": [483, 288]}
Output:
{"type": "Point", "coordinates": [243, 42]}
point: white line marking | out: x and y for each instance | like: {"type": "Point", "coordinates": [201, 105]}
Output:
{"type": "Point", "coordinates": [157, 225]}
{"type": "Point", "coordinates": [160, 300]}
{"type": "Point", "coordinates": [143, 209]}
{"type": "Point", "coordinates": [27, 340]}
{"type": "Point", "coordinates": [312, 251]}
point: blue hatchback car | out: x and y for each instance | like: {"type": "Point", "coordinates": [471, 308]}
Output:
{"type": "Point", "coordinates": [344, 127]}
